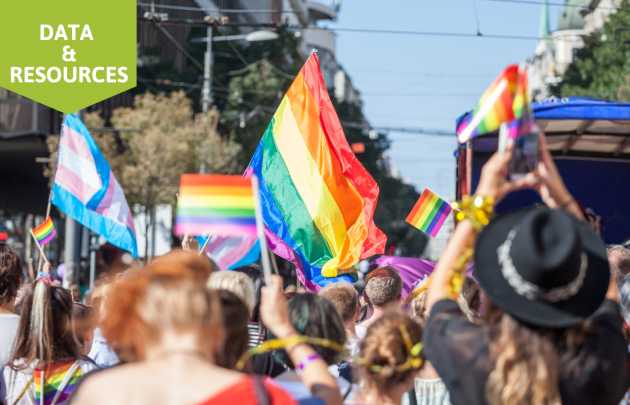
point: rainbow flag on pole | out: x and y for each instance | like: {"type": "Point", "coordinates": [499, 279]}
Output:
{"type": "Point", "coordinates": [495, 107]}
{"type": "Point", "coordinates": [429, 213]}
{"type": "Point", "coordinates": [213, 204]}
{"type": "Point", "coordinates": [45, 232]}
{"type": "Point", "coordinates": [317, 199]}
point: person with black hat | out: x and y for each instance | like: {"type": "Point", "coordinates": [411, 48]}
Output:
{"type": "Point", "coordinates": [551, 333]}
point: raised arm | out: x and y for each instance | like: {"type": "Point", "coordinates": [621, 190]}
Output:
{"type": "Point", "coordinates": [493, 183]}
{"type": "Point", "coordinates": [275, 315]}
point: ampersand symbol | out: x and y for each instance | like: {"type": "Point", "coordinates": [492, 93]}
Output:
{"type": "Point", "coordinates": [68, 55]}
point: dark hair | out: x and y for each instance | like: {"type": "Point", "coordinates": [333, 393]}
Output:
{"type": "Point", "coordinates": [45, 332]}
{"type": "Point", "coordinates": [317, 317]}
{"type": "Point", "coordinates": [472, 294]}
{"type": "Point", "coordinates": [235, 315]}
{"type": "Point", "coordinates": [10, 272]}
{"type": "Point", "coordinates": [255, 273]}
{"type": "Point", "coordinates": [83, 321]}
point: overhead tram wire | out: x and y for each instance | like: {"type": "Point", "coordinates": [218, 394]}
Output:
{"type": "Point", "coordinates": [429, 33]}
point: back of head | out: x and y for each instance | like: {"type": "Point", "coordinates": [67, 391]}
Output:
{"type": "Point", "coordinates": [619, 260]}
{"type": "Point", "coordinates": [235, 317]}
{"type": "Point", "coordinates": [344, 297]}
{"type": "Point", "coordinates": [10, 273]}
{"type": "Point", "coordinates": [45, 331]}
{"type": "Point", "coordinates": [236, 283]}
{"type": "Point", "coordinates": [255, 273]}
{"type": "Point", "coordinates": [384, 351]}
{"type": "Point", "coordinates": [166, 296]}
{"type": "Point", "coordinates": [316, 317]}
{"type": "Point", "coordinates": [383, 286]}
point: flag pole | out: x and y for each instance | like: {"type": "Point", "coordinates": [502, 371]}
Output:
{"type": "Point", "coordinates": [261, 232]}
{"type": "Point", "coordinates": [40, 249]}
{"type": "Point", "coordinates": [203, 248]}
{"type": "Point", "coordinates": [50, 194]}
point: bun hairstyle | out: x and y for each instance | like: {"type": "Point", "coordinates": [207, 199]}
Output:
{"type": "Point", "coordinates": [384, 347]}
{"type": "Point", "coordinates": [169, 294]}
{"type": "Point", "coordinates": [45, 332]}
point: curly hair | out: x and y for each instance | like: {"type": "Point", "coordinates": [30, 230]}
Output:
{"type": "Point", "coordinates": [10, 273]}
{"type": "Point", "coordinates": [384, 345]}
{"type": "Point", "coordinates": [170, 293]}
{"type": "Point", "coordinates": [383, 286]}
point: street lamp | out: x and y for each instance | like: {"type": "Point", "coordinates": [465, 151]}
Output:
{"type": "Point", "coordinates": [206, 93]}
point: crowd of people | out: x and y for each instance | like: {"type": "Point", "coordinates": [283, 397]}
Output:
{"type": "Point", "coordinates": [542, 320]}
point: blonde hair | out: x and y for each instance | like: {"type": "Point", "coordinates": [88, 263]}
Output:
{"type": "Point", "coordinates": [344, 297]}
{"type": "Point", "coordinates": [419, 311]}
{"type": "Point", "coordinates": [526, 359]}
{"type": "Point", "coordinates": [236, 283]}
{"type": "Point", "coordinates": [384, 347]}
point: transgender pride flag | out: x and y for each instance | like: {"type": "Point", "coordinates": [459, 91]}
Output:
{"type": "Point", "coordinates": [85, 188]}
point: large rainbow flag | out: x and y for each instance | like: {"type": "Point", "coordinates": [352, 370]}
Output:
{"type": "Point", "coordinates": [317, 200]}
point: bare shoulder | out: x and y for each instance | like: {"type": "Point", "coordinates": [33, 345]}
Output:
{"type": "Point", "coordinates": [97, 386]}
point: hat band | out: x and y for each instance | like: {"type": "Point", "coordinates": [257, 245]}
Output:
{"type": "Point", "coordinates": [532, 291]}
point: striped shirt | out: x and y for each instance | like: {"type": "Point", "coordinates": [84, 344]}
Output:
{"type": "Point", "coordinates": [254, 334]}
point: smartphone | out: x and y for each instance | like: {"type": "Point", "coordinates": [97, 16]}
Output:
{"type": "Point", "coordinates": [525, 155]}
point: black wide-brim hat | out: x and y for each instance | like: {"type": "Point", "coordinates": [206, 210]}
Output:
{"type": "Point", "coordinates": [579, 304]}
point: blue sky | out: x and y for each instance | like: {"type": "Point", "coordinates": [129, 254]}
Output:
{"type": "Point", "coordinates": [395, 72]}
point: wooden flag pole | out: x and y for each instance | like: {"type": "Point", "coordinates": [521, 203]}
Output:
{"type": "Point", "coordinates": [40, 249]}
{"type": "Point", "coordinates": [261, 232]}
{"type": "Point", "coordinates": [203, 248]}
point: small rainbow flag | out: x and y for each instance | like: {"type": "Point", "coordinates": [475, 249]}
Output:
{"type": "Point", "coordinates": [495, 107]}
{"type": "Point", "coordinates": [47, 382]}
{"type": "Point", "coordinates": [429, 213]}
{"type": "Point", "coordinates": [45, 232]}
{"type": "Point", "coordinates": [213, 204]}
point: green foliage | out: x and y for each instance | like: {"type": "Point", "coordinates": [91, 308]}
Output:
{"type": "Point", "coordinates": [602, 66]}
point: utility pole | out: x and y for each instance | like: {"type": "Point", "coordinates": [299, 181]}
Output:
{"type": "Point", "coordinates": [72, 243]}
{"type": "Point", "coordinates": [206, 93]}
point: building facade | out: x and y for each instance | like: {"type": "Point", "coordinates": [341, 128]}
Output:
{"type": "Point", "coordinates": [556, 50]}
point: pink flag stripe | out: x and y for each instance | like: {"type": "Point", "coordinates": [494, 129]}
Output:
{"type": "Point", "coordinates": [224, 230]}
{"type": "Point", "coordinates": [437, 227]}
{"type": "Point", "coordinates": [47, 238]}
{"type": "Point", "coordinates": [76, 142]}
{"type": "Point", "coordinates": [67, 179]}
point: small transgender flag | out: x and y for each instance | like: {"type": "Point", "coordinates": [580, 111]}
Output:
{"type": "Point", "coordinates": [429, 213]}
{"type": "Point", "coordinates": [45, 232]}
{"type": "Point", "coordinates": [85, 188]}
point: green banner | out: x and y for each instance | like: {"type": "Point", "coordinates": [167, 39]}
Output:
{"type": "Point", "coordinates": [68, 54]}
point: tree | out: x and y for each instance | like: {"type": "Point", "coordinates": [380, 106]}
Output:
{"type": "Point", "coordinates": [172, 140]}
{"type": "Point", "coordinates": [247, 91]}
{"type": "Point", "coordinates": [601, 68]}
